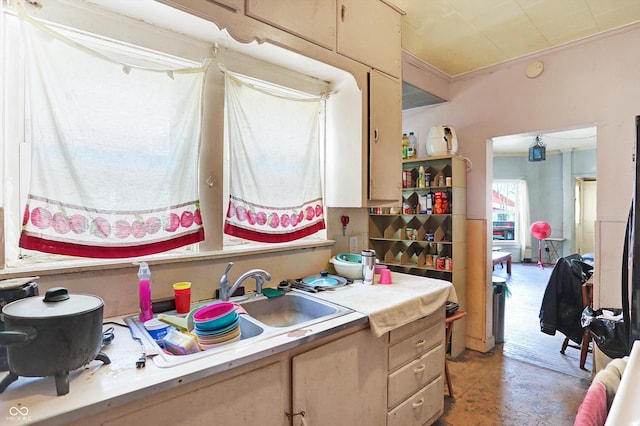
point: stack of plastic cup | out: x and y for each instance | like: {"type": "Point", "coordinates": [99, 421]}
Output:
{"type": "Point", "coordinates": [182, 295]}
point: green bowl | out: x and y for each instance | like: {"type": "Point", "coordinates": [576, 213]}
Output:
{"type": "Point", "coordinates": [349, 257]}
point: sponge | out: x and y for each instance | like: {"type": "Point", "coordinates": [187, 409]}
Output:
{"type": "Point", "coordinates": [272, 292]}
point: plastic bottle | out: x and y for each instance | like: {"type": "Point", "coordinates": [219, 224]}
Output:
{"type": "Point", "coordinates": [405, 146]}
{"type": "Point", "coordinates": [421, 177]}
{"type": "Point", "coordinates": [144, 289]}
{"type": "Point", "coordinates": [429, 202]}
{"type": "Point", "coordinates": [421, 148]}
{"type": "Point", "coordinates": [413, 145]}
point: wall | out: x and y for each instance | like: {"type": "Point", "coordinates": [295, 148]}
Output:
{"type": "Point", "coordinates": [589, 83]}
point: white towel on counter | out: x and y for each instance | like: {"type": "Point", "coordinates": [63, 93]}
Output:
{"type": "Point", "coordinates": [391, 306]}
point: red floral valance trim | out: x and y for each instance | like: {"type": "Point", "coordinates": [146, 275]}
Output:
{"type": "Point", "coordinates": [273, 225]}
{"type": "Point", "coordinates": [107, 252]}
{"type": "Point", "coordinates": [58, 228]}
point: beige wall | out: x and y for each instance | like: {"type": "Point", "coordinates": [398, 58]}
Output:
{"type": "Point", "coordinates": [594, 82]}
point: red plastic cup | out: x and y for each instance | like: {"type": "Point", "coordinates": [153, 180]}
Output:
{"type": "Point", "coordinates": [182, 295]}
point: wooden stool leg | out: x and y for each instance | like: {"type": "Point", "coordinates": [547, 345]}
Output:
{"type": "Point", "coordinates": [446, 374]}
{"type": "Point", "coordinates": [447, 340]}
{"type": "Point", "coordinates": [584, 349]}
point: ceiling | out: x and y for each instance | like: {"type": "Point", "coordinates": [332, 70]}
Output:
{"type": "Point", "coordinates": [460, 36]}
{"type": "Point", "coordinates": [584, 138]}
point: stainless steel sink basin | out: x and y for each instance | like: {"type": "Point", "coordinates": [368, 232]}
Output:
{"type": "Point", "coordinates": [265, 318]}
{"type": "Point", "coordinates": [289, 310]}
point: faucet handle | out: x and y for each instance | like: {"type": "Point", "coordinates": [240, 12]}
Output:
{"type": "Point", "coordinates": [225, 277]}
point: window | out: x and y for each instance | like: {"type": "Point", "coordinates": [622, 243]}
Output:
{"type": "Point", "coordinates": [180, 51]}
{"type": "Point", "coordinates": [505, 210]}
{"type": "Point", "coordinates": [114, 151]}
{"type": "Point", "coordinates": [273, 137]}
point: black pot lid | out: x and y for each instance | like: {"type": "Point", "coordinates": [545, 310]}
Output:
{"type": "Point", "coordinates": [57, 302]}
{"type": "Point", "coordinates": [324, 279]}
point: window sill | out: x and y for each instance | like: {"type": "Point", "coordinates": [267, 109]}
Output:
{"type": "Point", "coordinates": [83, 265]}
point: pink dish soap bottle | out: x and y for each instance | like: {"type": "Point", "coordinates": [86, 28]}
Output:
{"type": "Point", "coordinates": [144, 288]}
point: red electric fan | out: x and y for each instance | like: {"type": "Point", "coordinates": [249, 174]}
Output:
{"type": "Point", "coordinates": [540, 230]}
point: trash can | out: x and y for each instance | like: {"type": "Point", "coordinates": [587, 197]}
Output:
{"type": "Point", "coordinates": [499, 292]}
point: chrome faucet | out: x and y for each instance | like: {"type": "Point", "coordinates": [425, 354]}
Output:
{"type": "Point", "coordinates": [257, 274]}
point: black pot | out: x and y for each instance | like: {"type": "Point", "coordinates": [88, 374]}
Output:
{"type": "Point", "coordinates": [12, 290]}
{"type": "Point", "coordinates": [52, 335]}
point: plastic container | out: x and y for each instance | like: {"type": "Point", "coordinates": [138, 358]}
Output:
{"type": "Point", "coordinates": [156, 329]}
{"type": "Point", "coordinates": [421, 181]}
{"type": "Point", "coordinates": [144, 291]}
{"type": "Point", "coordinates": [405, 146]}
{"type": "Point", "coordinates": [179, 343]}
{"type": "Point", "coordinates": [413, 145]}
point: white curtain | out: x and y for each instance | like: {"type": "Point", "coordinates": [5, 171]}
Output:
{"type": "Point", "coordinates": [114, 152]}
{"type": "Point", "coordinates": [275, 186]}
{"type": "Point", "coordinates": [524, 235]}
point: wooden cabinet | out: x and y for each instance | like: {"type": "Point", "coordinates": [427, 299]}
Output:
{"type": "Point", "coordinates": [415, 372]}
{"type": "Point", "coordinates": [370, 32]}
{"type": "Point", "coordinates": [362, 163]}
{"type": "Point", "coordinates": [255, 397]}
{"type": "Point", "coordinates": [335, 380]}
{"type": "Point", "coordinates": [341, 383]}
{"type": "Point", "coordinates": [427, 244]}
{"type": "Point", "coordinates": [206, 9]}
{"type": "Point", "coordinates": [385, 126]}
{"type": "Point", "coordinates": [312, 20]}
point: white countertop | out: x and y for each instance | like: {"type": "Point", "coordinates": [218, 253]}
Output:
{"type": "Point", "coordinates": [97, 387]}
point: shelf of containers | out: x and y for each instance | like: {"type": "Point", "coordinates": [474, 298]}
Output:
{"type": "Point", "coordinates": [431, 245]}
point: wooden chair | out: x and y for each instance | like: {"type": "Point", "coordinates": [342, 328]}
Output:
{"type": "Point", "coordinates": [448, 325]}
{"type": "Point", "coordinates": [587, 300]}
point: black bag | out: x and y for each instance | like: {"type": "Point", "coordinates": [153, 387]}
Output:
{"type": "Point", "coordinates": [609, 335]}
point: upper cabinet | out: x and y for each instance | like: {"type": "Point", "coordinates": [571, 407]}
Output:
{"type": "Point", "coordinates": [206, 9]}
{"type": "Point", "coordinates": [370, 32]}
{"type": "Point", "coordinates": [385, 124]}
{"type": "Point", "coordinates": [312, 20]}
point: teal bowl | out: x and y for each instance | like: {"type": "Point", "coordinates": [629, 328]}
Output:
{"type": "Point", "coordinates": [349, 257]}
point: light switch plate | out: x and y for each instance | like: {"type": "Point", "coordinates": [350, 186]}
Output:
{"type": "Point", "coordinates": [353, 244]}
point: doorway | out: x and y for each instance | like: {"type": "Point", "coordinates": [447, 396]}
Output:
{"type": "Point", "coordinates": [585, 215]}
{"type": "Point", "coordinates": [561, 192]}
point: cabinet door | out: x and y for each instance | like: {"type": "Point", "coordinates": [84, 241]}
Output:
{"type": "Point", "coordinates": [206, 9]}
{"type": "Point", "coordinates": [257, 397]}
{"type": "Point", "coordinates": [370, 32]}
{"type": "Point", "coordinates": [385, 142]}
{"type": "Point", "coordinates": [342, 382]}
{"type": "Point", "coordinates": [313, 20]}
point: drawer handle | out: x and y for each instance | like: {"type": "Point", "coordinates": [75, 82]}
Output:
{"type": "Point", "coordinates": [420, 343]}
{"type": "Point", "coordinates": [375, 135]}
{"type": "Point", "coordinates": [419, 403]}
{"type": "Point", "coordinates": [419, 369]}
{"type": "Point", "coordinates": [343, 12]}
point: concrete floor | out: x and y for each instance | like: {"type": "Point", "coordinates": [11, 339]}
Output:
{"type": "Point", "coordinates": [525, 380]}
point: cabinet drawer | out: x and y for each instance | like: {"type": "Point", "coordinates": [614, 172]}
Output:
{"type": "Point", "coordinates": [426, 404]}
{"type": "Point", "coordinates": [408, 379]}
{"type": "Point", "coordinates": [416, 326]}
{"type": "Point", "coordinates": [416, 345]}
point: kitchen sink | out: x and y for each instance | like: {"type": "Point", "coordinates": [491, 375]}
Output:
{"type": "Point", "coordinates": [265, 318]}
{"type": "Point", "coordinates": [289, 310]}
